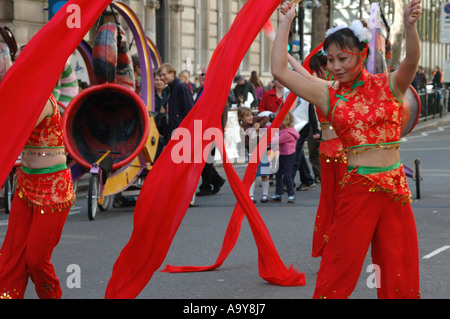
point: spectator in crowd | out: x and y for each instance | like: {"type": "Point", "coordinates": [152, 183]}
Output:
{"type": "Point", "coordinates": [180, 100]}
{"type": "Point", "coordinates": [272, 99]}
{"type": "Point", "coordinates": [184, 77]}
{"type": "Point", "coordinates": [287, 142]}
{"type": "Point", "coordinates": [259, 87]}
{"type": "Point", "coordinates": [242, 90]}
{"type": "Point", "coordinates": [251, 130]}
{"type": "Point", "coordinates": [421, 79]}
{"type": "Point", "coordinates": [212, 182]}
{"type": "Point", "coordinates": [137, 74]}
{"type": "Point", "coordinates": [437, 78]}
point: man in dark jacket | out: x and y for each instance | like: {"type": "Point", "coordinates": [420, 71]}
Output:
{"type": "Point", "coordinates": [242, 89]}
{"type": "Point", "coordinates": [180, 100]}
{"type": "Point", "coordinates": [437, 78]}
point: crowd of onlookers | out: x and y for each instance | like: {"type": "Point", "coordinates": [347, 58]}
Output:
{"type": "Point", "coordinates": [177, 92]}
{"type": "Point", "coordinates": [427, 77]}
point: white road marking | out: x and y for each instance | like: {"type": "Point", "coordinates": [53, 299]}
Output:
{"type": "Point", "coordinates": [426, 149]}
{"type": "Point", "coordinates": [73, 211]}
{"type": "Point", "coordinates": [437, 251]}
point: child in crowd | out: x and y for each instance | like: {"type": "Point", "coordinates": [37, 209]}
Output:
{"type": "Point", "coordinates": [250, 129]}
{"type": "Point", "coordinates": [287, 141]}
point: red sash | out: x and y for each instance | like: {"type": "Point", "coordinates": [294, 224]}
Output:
{"type": "Point", "coordinates": [54, 190]}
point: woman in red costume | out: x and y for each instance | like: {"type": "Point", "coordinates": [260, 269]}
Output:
{"type": "Point", "coordinates": [333, 165]}
{"type": "Point", "coordinates": [333, 161]}
{"type": "Point", "coordinates": [366, 112]}
{"type": "Point", "coordinates": [39, 210]}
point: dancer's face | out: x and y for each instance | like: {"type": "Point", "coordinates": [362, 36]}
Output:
{"type": "Point", "coordinates": [343, 65]}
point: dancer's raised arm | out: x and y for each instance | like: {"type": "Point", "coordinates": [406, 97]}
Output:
{"type": "Point", "coordinates": [312, 91]}
{"type": "Point", "coordinates": [404, 75]}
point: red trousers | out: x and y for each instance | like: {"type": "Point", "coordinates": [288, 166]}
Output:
{"type": "Point", "coordinates": [363, 218]}
{"type": "Point", "coordinates": [33, 232]}
{"type": "Point", "coordinates": [333, 168]}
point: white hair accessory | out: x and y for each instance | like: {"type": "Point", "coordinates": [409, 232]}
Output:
{"type": "Point", "coordinates": [362, 33]}
{"type": "Point", "coordinates": [335, 29]}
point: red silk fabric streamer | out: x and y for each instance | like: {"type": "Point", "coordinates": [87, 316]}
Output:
{"type": "Point", "coordinates": [310, 55]}
{"type": "Point", "coordinates": [257, 225]}
{"type": "Point", "coordinates": [163, 202]}
{"type": "Point", "coordinates": [234, 225]}
{"type": "Point", "coordinates": [28, 84]}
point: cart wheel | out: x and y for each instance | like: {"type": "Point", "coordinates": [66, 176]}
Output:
{"type": "Point", "coordinates": [103, 204]}
{"type": "Point", "coordinates": [8, 194]}
{"type": "Point", "coordinates": [92, 198]}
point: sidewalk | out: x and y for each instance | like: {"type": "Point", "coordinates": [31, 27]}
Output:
{"type": "Point", "coordinates": [431, 123]}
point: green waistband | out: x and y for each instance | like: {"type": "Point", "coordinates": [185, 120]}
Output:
{"type": "Point", "coordinates": [47, 170]}
{"type": "Point", "coordinates": [366, 170]}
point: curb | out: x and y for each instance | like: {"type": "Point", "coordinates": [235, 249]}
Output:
{"type": "Point", "coordinates": [424, 125]}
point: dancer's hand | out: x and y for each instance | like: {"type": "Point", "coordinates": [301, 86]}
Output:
{"type": "Point", "coordinates": [412, 12]}
{"type": "Point", "coordinates": [287, 12]}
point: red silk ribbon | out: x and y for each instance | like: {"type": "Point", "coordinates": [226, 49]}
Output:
{"type": "Point", "coordinates": [163, 202]}
{"type": "Point", "coordinates": [234, 225]}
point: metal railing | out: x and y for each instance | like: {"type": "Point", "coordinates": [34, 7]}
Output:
{"type": "Point", "coordinates": [435, 103]}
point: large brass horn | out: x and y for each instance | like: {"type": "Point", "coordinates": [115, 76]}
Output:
{"type": "Point", "coordinates": [108, 116]}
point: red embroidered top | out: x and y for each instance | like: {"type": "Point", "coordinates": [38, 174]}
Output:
{"type": "Point", "coordinates": [366, 113]}
{"type": "Point", "coordinates": [49, 133]}
{"type": "Point", "coordinates": [321, 117]}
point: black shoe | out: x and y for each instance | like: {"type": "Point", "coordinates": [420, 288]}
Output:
{"type": "Point", "coordinates": [216, 188]}
{"type": "Point", "coordinates": [203, 193]}
{"type": "Point", "coordinates": [305, 187]}
{"type": "Point", "coordinates": [275, 199]}
{"type": "Point", "coordinates": [118, 203]}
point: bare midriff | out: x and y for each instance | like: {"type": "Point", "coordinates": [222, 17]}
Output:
{"type": "Point", "coordinates": [38, 158]}
{"type": "Point", "coordinates": [375, 156]}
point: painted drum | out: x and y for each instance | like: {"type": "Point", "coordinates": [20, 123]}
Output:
{"type": "Point", "coordinates": [111, 59]}
{"type": "Point", "coordinates": [107, 117]}
{"type": "Point", "coordinates": [411, 111]}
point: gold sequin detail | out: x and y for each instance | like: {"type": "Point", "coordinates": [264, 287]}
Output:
{"type": "Point", "coordinates": [5, 295]}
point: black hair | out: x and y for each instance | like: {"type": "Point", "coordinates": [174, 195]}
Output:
{"type": "Point", "coordinates": [317, 62]}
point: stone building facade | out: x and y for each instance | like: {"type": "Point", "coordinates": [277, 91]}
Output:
{"type": "Point", "coordinates": [186, 32]}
